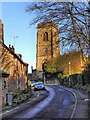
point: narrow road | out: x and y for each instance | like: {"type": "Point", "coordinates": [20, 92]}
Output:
{"type": "Point", "coordinates": [58, 104]}
{"type": "Point", "coordinates": [61, 105]}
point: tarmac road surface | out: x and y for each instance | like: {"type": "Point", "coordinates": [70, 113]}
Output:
{"type": "Point", "coordinates": [58, 103]}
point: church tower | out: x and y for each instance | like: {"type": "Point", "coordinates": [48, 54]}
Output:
{"type": "Point", "coordinates": [47, 43]}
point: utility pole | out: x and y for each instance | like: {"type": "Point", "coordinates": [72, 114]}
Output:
{"type": "Point", "coordinates": [44, 77]}
{"type": "Point", "coordinates": [69, 74]}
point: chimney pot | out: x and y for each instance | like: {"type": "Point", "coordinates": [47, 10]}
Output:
{"type": "Point", "coordinates": [9, 46]}
{"type": "Point", "coordinates": [12, 48]}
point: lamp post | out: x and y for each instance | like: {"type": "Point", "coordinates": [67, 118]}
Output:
{"type": "Point", "coordinates": [69, 74]}
{"type": "Point", "coordinates": [44, 77]}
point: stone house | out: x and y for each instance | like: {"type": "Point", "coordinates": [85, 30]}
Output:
{"type": "Point", "coordinates": [15, 69]}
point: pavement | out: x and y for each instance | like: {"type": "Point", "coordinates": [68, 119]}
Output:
{"type": "Point", "coordinates": [33, 100]}
{"type": "Point", "coordinates": [83, 104]}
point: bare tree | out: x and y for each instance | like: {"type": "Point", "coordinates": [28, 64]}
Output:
{"type": "Point", "coordinates": [71, 18]}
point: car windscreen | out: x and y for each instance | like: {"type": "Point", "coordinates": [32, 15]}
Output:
{"type": "Point", "coordinates": [32, 82]}
{"type": "Point", "coordinates": [39, 84]}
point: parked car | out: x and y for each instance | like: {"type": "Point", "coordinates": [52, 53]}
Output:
{"type": "Point", "coordinates": [39, 86]}
{"type": "Point", "coordinates": [32, 83]}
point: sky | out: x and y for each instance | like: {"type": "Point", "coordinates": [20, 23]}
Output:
{"type": "Point", "coordinates": [16, 23]}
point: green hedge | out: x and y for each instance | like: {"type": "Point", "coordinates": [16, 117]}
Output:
{"type": "Point", "coordinates": [73, 79]}
{"type": "Point", "coordinates": [61, 81]}
{"type": "Point", "coordinates": [78, 81]}
{"type": "Point", "coordinates": [82, 80]}
{"type": "Point", "coordinates": [85, 88]}
{"type": "Point", "coordinates": [66, 81]}
{"type": "Point", "coordinates": [86, 74]}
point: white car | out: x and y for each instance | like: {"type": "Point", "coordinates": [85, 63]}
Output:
{"type": "Point", "coordinates": [39, 86]}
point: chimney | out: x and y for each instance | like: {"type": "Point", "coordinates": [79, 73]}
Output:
{"type": "Point", "coordinates": [12, 48]}
{"type": "Point", "coordinates": [20, 56]}
{"type": "Point", "coordinates": [9, 46]}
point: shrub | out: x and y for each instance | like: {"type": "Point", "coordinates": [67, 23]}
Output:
{"type": "Point", "coordinates": [86, 74]}
{"type": "Point", "coordinates": [63, 78]}
{"type": "Point", "coordinates": [20, 96]}
{"type": "Point", "coordinates": [88, 89]}
{"type": "Point", "coordinates": [78, 79]}
{"type": "Point", "coordinates": [66, 81]}
{"type": "Point", "coordinates": [16, 93]}
{"type": "Point", "coordinates": [84, 78]}
{"type": "Point", "coordinates": [61, 81]}
{"type": "Point", "coordinates": [77, 86]}
{"type": "Point", "coordinates": [73, 79]}
{"type": "Point", "coordinates": [81, 79]}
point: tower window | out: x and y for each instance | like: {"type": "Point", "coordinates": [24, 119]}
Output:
{"type": "Point", "coordinates": [45, 36]}
{"type": "Point", "coordinates": [4, 84]}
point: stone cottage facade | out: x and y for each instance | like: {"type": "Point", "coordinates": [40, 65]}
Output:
{"type": "Point", "coordinates": [14, 69]}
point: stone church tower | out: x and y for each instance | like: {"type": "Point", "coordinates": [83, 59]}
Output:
{"type": "Point", "coordinates": [47, 43]}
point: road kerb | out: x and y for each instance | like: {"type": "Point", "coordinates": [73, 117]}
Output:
{"type": "Point", "coordinates": [72, 115]}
